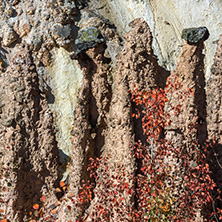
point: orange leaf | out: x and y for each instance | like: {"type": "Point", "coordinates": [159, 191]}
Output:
{"type": "Point", "coordinates": [58, 190]}
{"type": "Point", "coordinates": [36, 206]}
{"type": "Point", "coordinates": [1, 211]}
{"type": "Point", "coordinates": [64, 188]}
{"type": "Point", "coordinates": [62, 184]}
{"type": "Point", "coordinates": [43, 199]}
{"type": "Point", "coordinates": [137, 215]}
{"type": "Point", "coordinates": [54, 211]}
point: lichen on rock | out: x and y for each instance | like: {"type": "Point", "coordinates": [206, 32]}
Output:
{"type": "Point", "coordinates": [87, 38]}
{"type": "Point", "coordinates": [194, 35]}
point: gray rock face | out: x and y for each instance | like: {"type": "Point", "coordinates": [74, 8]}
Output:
{"type": "Point", "coordinates": [41, 24]}
{"type": "Point", "coordinates": [61, 34]}
{"type": "Point", "coordinates": [194, 35]}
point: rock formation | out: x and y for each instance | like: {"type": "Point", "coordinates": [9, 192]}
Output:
{"type": "Point", "coordinates": [214, 124]}
{"type": "Point", "coordinates": [28, 146]}
{"type": "Point", "coordinates": [190, 76]}
{"type": "Point", "coordinates": [214, 96]}
{"type": "Point", "coordinates": [66, 71]}
{"type": "Point", "coordinates": [136, 64]}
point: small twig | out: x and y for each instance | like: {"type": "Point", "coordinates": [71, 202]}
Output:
{"type": "Point", "coordinates": [213, 206]}
{"type": "Point", "coordinates": [152, 150]}
{"type": "Point", "coordinates": [217, 160]}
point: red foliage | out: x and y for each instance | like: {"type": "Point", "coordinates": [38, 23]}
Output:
{"type": "Point", "coordinates": [173, 182]}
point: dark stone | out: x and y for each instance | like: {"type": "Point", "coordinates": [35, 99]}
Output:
{"type": "Point", "coordinates": [3, 59]}
{"type": "Point", "coordinates": [86, 39]}
{"type": "Point", "coordinates": [195, 35]}
{"type": "Point", "coordinates": [81, 3]}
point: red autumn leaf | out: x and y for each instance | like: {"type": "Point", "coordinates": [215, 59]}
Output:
{"type": "Point", "coordinates": [137, 215]}
{"type": "Point", "coordinates": [64, 188]}
{"type": "Point", "coordinates": [42, 198]}
{"type": "Point", "coordinates": [54, 211]}
{"type": "Point", "coordinates": [58, 190]}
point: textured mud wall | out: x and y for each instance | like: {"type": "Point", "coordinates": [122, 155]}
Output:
{"type": "Point", "coordinates": [214, 96]}
{"type": "Point", "coordinates": [56, 112]}
{"type": "Point", "coordinates": [28, 146]}
{"type": "Point", "coordinates": [214, 118]}
{"type": "Point", "coordinates": [190, 75]}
